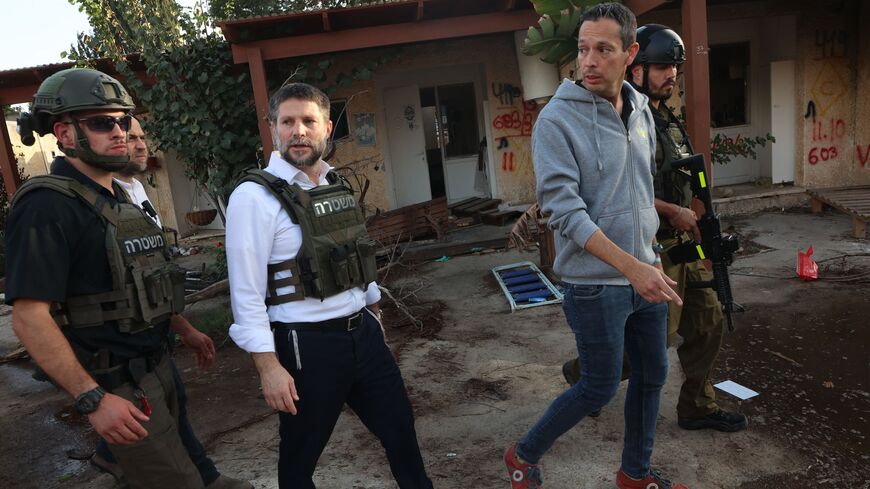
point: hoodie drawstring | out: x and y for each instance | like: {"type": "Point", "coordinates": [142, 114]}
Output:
{"type": "Point", "coordinates": [597, 138]}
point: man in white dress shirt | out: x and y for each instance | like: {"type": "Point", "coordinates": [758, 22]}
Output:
{"type": "Point", "coordinates": [304, 299]}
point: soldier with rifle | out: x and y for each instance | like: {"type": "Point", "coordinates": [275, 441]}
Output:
{"type": "Point", "coordinates": [685, 241]}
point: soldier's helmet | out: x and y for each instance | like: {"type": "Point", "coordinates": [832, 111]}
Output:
{"type": "Point", "coordinates": [72, 90]}
{"type": "Point", "coordinates": [659, 45]}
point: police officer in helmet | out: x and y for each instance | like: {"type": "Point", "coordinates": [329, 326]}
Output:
{"type": "Point", "coordinates": [90, 282]}
{"type": "Point", "coordinates": [699, 321]}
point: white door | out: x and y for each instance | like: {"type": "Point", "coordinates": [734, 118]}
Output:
{"type": "Point", "coordinates": [782, 120]}
{"type": "Point", "coordinates": [460, 174]}
{"type": "Point", "coordinates": [407, 146]}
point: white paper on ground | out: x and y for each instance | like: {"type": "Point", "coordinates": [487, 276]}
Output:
{"type": "Point", "coordinates": [736, 389]}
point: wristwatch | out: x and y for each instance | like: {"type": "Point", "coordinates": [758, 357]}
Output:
{"type": "Point", "coordinates": [89, 401]}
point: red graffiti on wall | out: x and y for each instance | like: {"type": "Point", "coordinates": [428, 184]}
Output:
{"type": "Point", "coordinates": [518, 122]}
{"type": "Point", "coordinates": [863, 156]}
{"type": "Point", "coordinates": [728, 140]}
{"type": "Point", "coordinates": [507, 161]}
{"type": "Point", "coordinates": [818, 154]}
{"type": "Point", "coordinates": [829, 130]}
{"type": "Point", "coordinates": [514, 121]}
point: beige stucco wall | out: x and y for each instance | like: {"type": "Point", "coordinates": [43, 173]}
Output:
{"type": "Point", "coordinates": [33, 160]}
{"type": "Point", "coordinates": [509, 121]}
{"type": "Point", "coordinates": [834, 76]}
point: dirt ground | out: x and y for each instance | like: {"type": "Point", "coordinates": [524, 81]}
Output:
{"type": "Point", "coordinates": [479, 377]}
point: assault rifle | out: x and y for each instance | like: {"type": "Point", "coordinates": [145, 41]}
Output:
{"type": "Point", "coordinates": [717, 247]}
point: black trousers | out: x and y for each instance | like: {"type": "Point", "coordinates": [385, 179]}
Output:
{"type": "Point", "coordinates": [332, 368]}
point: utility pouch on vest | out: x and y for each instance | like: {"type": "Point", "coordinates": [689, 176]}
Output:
{"type": "Point", "coordinates": [366, 248]}
{"type": "Point", "coordinates": [159, 288]}
{"type": "Point", "coordinates": [341, 270]}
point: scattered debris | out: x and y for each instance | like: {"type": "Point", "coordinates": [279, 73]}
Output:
{"type": "Point", "coordinates": [525, 286]}
{"type": "Point", "coordinates": [736, 390]}
{"type": "Point", "coordinates": [19, 353]}
{"type": "Point", "coordinates": [780, 355]}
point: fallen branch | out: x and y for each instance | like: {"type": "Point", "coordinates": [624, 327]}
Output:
{"type": "Point", "coordinates": [19, 353]}
{"type": "Point", "coordinates": [207, 293]}
{"type": "Point", "coordinates": [780, 355]}
{"type": "Point", "coordinates": [402, 307]}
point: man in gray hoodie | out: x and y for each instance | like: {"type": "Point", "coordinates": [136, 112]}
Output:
{"type": "Point", "coordinates": [593, 149]}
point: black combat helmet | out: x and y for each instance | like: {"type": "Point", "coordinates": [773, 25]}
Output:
{"type": "Point", "coordinates": [659, 45]}
{"type": "Point", "coordinates": [73, 90]}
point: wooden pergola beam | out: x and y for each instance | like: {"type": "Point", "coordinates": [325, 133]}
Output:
{"type": "Point", "coordinates": [697, 74]}
{"type": "Point", "coordinates": [8, 164]}
{"type": "Point", "coordinates": [17, 95]}
{"type": "Point", "coordinates": [261, 98]}
{"type": "Point", "coordinates": [386, 35]}
{"type": "Point", "coordinates": [640, 7]}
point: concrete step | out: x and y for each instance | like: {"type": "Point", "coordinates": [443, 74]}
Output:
{"type": "Point", "coordinates": [746, 199]}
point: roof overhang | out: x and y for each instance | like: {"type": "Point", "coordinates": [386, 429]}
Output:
{"type": "Point", "coordinates": [18, 85]}
{"type": "Point", "coordinates": [387, 24]}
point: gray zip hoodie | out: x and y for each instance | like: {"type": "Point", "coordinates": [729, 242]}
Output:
{"type": "Point", "coordinates": [593, 174]}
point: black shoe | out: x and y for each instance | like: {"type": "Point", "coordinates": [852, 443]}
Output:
{"type": "Point", "coordinates": [568, 372]}
{"type": "Point", "coordinates": [719, 420]}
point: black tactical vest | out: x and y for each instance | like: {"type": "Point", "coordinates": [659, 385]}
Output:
{"type": "Point", "coordinates": [147, 288]}
{"type": "Point", "coordinates": [672, 186]}
{"type": "Point", "coordinates": [336, 254]}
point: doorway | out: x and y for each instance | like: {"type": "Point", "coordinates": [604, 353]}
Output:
{"type": "Point", "coordinates": [434, 134]}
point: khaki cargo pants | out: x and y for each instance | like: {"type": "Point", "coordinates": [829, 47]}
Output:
{"type": "Point", "coordinates": [700, 323]}
{"type": "Point", "coordinates": [159, 461]}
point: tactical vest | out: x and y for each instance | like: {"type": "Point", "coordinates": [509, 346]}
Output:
{"type": "Point", "coordinates": [672, 186]}
{"type": "Point", "coordinates": [336, 254]}
{"type": "Point", "coordinates": [146, 287]}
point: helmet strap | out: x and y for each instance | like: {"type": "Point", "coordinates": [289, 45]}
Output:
{"type": "Point", "coordinates": [644, 89]}
{"type": "Point", "coordinates": [87, 155]}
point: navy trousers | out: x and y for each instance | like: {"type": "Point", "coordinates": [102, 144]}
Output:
{"type": "Point", "coordinates": [331, 368]}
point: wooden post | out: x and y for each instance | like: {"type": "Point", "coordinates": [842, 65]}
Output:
{"type": "Point", "coordinates": [697, 73]}
{"type": "Point", "coordinates": [8, 164]}
{"type": "Point", "coordinates": [261, 98]}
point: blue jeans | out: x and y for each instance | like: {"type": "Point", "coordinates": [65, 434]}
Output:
{"type": "Point", "coordinates": [207, 471]}
{"type": "Point", "coordinates": [605, 319]}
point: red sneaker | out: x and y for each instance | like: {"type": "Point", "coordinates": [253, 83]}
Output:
{"type": "Point", "coordinates": [653, 480]}
{"type": "Point", "coordinates": [523, 475]}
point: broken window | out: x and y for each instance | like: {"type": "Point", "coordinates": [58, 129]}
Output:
{"type": "Point", "coordinates": [338, 116]}
{"type": "Point", "coordinates": [729, 85]}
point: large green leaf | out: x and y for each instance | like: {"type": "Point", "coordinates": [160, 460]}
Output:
{"type": "Point", "coordinates": [555, 38]}
{"type": "Point", "coordinates": [554, 41]}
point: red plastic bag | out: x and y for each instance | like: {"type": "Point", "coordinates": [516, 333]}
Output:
{"type": "Point", "coordinates": [807, 268]}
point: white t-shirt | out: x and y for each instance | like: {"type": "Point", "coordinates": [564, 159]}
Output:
{"type": "Point", "coordinates": [137, 192]}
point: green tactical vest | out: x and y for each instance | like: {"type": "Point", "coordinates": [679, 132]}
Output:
{"type": "Point", "coordinates": [672, 186]}
{"type": "Point", "coordinates": [336, 254]}
{"type": "Point", "coordinates": [147, 288]}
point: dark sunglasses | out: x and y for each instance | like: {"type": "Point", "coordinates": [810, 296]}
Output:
{"type": "Point", "coordinates": [106, 123]}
